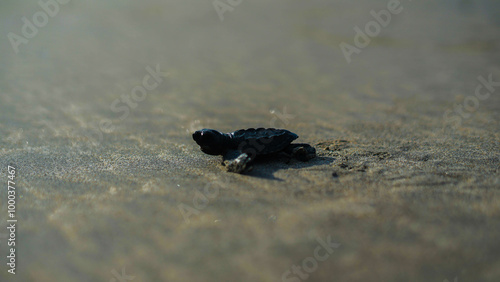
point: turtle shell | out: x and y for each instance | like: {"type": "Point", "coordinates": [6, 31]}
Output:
{"type": "Point", "coordinates": [261, 141]}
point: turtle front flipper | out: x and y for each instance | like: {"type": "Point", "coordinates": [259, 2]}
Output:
{"type": "Point", "coordinates": [300, 151]}
{"type": "Point", "coordinates": [237, 161]}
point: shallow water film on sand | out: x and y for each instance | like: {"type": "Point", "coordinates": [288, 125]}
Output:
{"type": "Point", "coordinates": [102, 181]}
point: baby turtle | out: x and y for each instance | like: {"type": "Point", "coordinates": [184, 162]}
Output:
{"type": "Point", "coordinates": [241, 147]}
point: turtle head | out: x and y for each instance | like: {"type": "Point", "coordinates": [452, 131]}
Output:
{"type": "Point", "coordinates": [211, 141]}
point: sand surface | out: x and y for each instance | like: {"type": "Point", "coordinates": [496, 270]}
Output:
{"type": "Point", "coordinates": [113, 188]}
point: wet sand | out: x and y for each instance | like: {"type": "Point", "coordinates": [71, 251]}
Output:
{"type": "Point", "coordinates": [98, 107]}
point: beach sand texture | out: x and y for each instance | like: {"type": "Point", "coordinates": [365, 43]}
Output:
{"type": "Point", "coordinates": [97, 109]}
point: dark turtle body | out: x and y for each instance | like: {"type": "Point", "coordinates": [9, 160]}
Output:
{"type": "Point", "coordinates": [240, 147]}
{"type": "Point", "coordinates": [262, 141]}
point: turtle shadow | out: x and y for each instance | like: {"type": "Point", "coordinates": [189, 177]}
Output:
{"type": "Point", "coordinates": [265, 167]}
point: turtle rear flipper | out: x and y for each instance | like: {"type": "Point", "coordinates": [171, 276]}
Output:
{"type": "Point", "coordinates": [300, 151]}
{"type": "Point", "coordinates": [237, 161]}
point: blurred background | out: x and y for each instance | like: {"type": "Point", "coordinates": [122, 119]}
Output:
{"type": "Point", "coordinates": [98, 100]}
